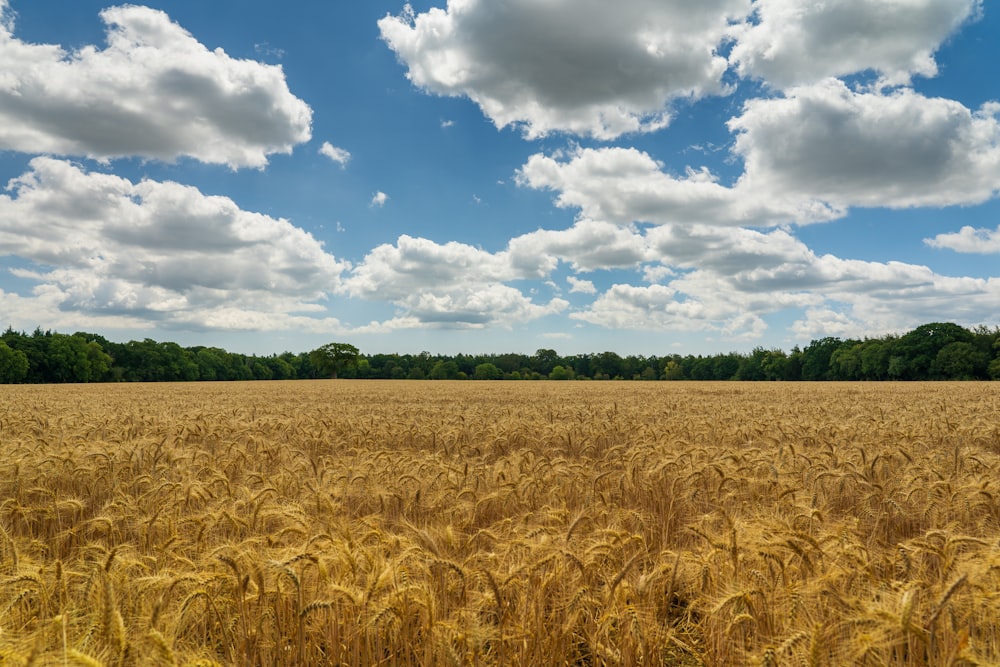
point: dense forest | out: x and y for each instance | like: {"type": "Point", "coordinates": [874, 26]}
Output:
{"type": "Point", "coordinates": [937, 351]}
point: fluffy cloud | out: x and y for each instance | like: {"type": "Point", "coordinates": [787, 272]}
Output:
{"type": "Point", "coordinates": [415, 264]}
{"type": "Point", "coordinates": [625, 185]}
{"type": "Point", "coordinates": [581, 286]}
{"type": "Point", "coordinates": [102, 245]}
{"type": "Point", "coordinates": [583, 66]}
{"type": "Point", "coordinates": [477, 307]}
{"type": "Point", "coordinates": [808, 157]}
{"type": "Point", "coordinates": [338, 155]}
{"type": "Point", "coordinates": [825, 143]}
{"type": "Point", "coordinates": [454, 284]}
{"type": "Point", "coordinates": [153, 92]}
{"type": "Point", "coordinates": [791, 42]}
{"type": "Point", "coordinates": [379, 199]}
{"type": "Point", "coordinates": [969, 240]}
{"type": "Point", "coordinates": [588, 245]}
{"type": "Point", "coordinates": [726, 280]}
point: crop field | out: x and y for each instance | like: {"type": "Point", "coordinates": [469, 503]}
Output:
{"type": "Point", "coordinates": [500, 523]}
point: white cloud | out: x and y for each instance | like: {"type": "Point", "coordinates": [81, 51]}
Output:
{"type": "Point", "coordinates": [580, 286]}
{"type": "Point", "coordinates": [726, 251]}
{"type": "Point", "coordinates": [808, 157]}
{"type": "Point", "coordinates": [338, 155]}
{"type": "Point", "coordinates": [625, 185]}
{"type": "Point", "coordinates": [583, 66]}
{"type": "Point", "coordinates": [791, 42]}
{"type": "Point", "coordinates": [450, 285]}
{"type": "Point", "coordinates": [828, 144]}
{"type": "Point", "coordinates": [969, 240]}
{"type": "Point", "coordinates": [103, 246]}
{"type": "Point", "coordinates": [413, 264]}
{"type": "Point", "coordinates": [649, 307]}
{"type": "Point", "coordinates": [477, 307]}
{"type": "Point", "coordinates": [588, 245]}
{"type": "Point", "coordinates": [153, 92]}
{"type": "Point", "coordinates": [379, 199]}
{"type": "Point", "coordinates": [657, 274]}
{"type": "Point", "coordinates": [727, 280]}
{"type": "Point", "coordinates": [822, 322]}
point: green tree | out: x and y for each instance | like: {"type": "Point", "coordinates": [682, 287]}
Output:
{"type": "Point", "coordinates": [487, 371]}
{"type": "Point", "coordinates": [959, 361]}
{"type": "Point", "coordinates": [846, 362]}
{"type": "Point", "coordinates": [816, 358]}
{"type": "Point", "coordinates": [333, 358]}
{"type": "Point", "coordinates": [875, 359]}
{"type": "Point", "coordinates": [444, 370]}
{"type": "Point", "coordinates": [561, 373]}
{"type": "Point", "coordinates": [13, 364]}
{"type": "Point", "coordinates": [544, 361]}
{"type": "Point", "coordinates": [775, 365]}
{"type": "Point", "coordinates": [920, 347]}
{"type": "Point", "coordinates": [672, 370]}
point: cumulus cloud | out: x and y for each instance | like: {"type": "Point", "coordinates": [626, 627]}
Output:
{"type": "Point", "coordinates": [969, 240]}
{"type": "Point", "coordinates": [453, 284]}
{"type": "Point", "coordinates": [829, 144]}
{"type": "Point", "coordinates": [379, 199]}
{"type": "Point", "coordinates": [154, 91]}
{"type": "Point", "coordinates": [791, 42]}
{"type": "Point", "coordinates": [160, 251]}
{"type": "Point", "coordinates": [477, 307]}
{"type": "Point", "coordinates": [581, 286]}
{"type": "Point", "coordinates": [727, 280]}
{"type": "Point", "coordinates": [588, 245]}
{"type": "Point", "coordinates": [583, 66]}
{"type": "Point", "coordinates": [704, 278]}
{"type": "Point", "coordinates": [338, 155]}
{"type": "Point", "coordinates": [808, 157]}
{"type": "Point", "coordinates": [720, 255]}
{"type": "Point", "coordinates": [626, 185]}
{"type": "Point", "coordinates": [414, 264]}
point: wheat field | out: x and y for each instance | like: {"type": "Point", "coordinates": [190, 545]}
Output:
{"type": "Point", "coordinates": [502, 523]}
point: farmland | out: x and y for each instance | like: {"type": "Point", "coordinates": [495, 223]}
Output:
{"type": "Point", "coordinates": [515, 523]}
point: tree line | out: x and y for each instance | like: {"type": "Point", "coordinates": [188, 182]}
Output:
{"type": "Point", "coordinates": [936, 351]}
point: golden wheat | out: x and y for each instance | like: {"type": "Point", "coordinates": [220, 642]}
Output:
{"type": "Point", "coordinates": [361, 523]}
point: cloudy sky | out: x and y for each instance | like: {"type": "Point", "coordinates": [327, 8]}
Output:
{"type": "Point", "coordinates": [644, 176]}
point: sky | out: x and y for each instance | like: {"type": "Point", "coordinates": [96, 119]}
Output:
{"type": "Point", "coordinates": [643, 177]}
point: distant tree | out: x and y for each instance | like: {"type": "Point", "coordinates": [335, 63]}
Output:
{"type": "Point", "coordinates": [701, 368]}
{"type": "Point", "coordinates": [959, 360]}
{"type": "Point", "coordinates": [920, 347]}
{"type": "Point", "coordinates": [561, 373]}
{"type": "Point", "coordinates": [816, 358]}
{"type": "Point", "coordinates": [875, 359]}
{"type": "Point", "coordinates": [487, 371]}
{"type": "Point", "coordinates": [775, 365]}
{"type": "Point", "coordinates": [672, 370]}
{"type": "Point", "coordinates": [444, 370]}
{"type": "Point", "coordinates": [752, 366]}
{"type": "Point", "coordinates": [544, 360]}
{"type": "Point", "coordinates": [846, 362]}
{"type": "Point", "coordinates": [725, 366]}
{"type": "Point", "coordinates": [13, 364]}
{"type": "Point", "coordinates": [333, 358]}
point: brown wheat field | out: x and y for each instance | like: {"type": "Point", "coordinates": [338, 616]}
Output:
{"type": "Point", "coordinates": [502, 523]}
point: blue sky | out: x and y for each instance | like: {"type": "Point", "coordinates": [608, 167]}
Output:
{"type": "Point", "coordinates": [646, 177]}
